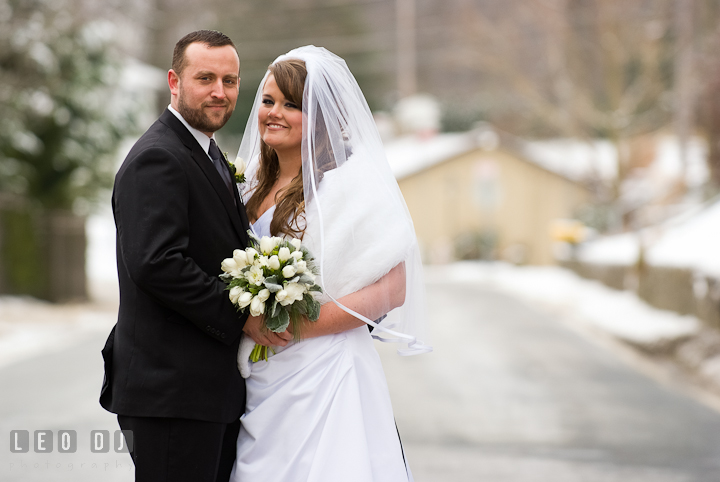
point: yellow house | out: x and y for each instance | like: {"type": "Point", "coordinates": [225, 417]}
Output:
{"type": "Point", "coordinates": [471, 198]}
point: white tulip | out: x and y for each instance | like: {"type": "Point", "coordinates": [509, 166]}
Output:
{"type": "Point", "coordinates": [274, 262]}
{"type": "Point", "coordinates": [244, 299]}
{"type": "Point", "coordinates": [284, 254]}
{"type": "Point", "coordinates": [240, 166]}
{"type": "Point", "coordinates": [267, 244]}
{"type": "Point", "coordinates": [229, 265]}
{"type": "Point", "coordinates": [240, 258]}
{"type": "Point", "coordinates": [251, 253]}
{"type": "Point", "coordinates": [282, 298]}
{"type": "Point", "coordinates": [263, 260]}
{"type": "Point", "coordinates": [257, 307]}
{"type": "Point", "coordinates": [295, 291]}
{"type": "Point", "coordinates": [235, 293]}
{"type": "Point", "coordinates": [263, 295]}
{"type": "Point", "coordinates": [297, 255]}
{"type": "Point", "coordinates": [300, 266]}
{"type": "Point", "coordinates": [288, 271]}
{"type": "Point", "coordinates": [296, 242]}
{"type": "Point", "coordinates": [255, 275]}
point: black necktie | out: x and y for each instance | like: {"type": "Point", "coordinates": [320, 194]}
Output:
{"type": "Point", "coordinates": [219, 162]}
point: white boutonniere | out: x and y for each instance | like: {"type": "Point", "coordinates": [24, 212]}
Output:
{"type": "Point", "coordinates": [238, 168]}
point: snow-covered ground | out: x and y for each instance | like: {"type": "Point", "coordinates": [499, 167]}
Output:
{"type": "Point", "coordinates": [690, 240]}
{"type": "Point", "coordinates": [618, 313]}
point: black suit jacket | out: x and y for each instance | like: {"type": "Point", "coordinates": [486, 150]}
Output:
{"type": "Point", "coordinates": [173, 350]}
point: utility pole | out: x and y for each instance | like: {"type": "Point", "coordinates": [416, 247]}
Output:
{"type": "Point", "coordinates": [684, 92]}
{"type": "Point", "coordinates": [406, 59]}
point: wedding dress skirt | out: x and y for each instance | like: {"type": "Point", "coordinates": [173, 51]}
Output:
{"type": "Point", "coordinates": [319, 411]}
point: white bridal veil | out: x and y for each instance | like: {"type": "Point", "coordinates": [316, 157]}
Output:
{"type": "Point", "coordinates": [357, 224]}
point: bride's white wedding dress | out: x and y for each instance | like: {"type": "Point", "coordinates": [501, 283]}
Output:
{"type": "Point", "coordinates": [319, 410]}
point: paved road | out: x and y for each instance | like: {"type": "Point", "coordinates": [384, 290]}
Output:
{"type": "Point", "coordinates": [510, 395]}
{"type": "Point", "coordinates": [59, 391]}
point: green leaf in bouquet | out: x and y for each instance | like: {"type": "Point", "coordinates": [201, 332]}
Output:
{"type": "Point", "coordinates": [300, 307]}
{"type": "Point", "coordinates": [253, 238]}
{"type": "Point", "coordinates": [272, 310]}
{"type": "Point", "coordinates": [278, 323]}
{"type": "Point", "coordinates": [315, 288]}
{"type": "Point", "coordinates": [272, 284]}
{"type": "Point", "coordinates": [306, 280]}
{"type": "Point", "coordinates": [313, 311]}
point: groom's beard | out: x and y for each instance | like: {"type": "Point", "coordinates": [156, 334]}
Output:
{"type": "Point", "coordinates": [198, 119]}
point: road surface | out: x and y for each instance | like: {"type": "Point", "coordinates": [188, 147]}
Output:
{"type": "Point", "coordinates": [511, 394]}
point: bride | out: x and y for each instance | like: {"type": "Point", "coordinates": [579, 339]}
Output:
{"type": "Point", "coordinates": [319, 409]}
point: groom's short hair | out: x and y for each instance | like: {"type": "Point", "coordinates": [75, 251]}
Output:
{"type": "Point", "coordinates": [211, 38]}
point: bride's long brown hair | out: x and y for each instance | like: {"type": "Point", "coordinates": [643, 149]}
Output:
{"type": "Point", "coordinates": [290, 203]}
{"type": "Point", "coordinates": [289, 215]}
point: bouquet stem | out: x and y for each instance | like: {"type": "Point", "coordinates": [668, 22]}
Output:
{"type": "Point", "coordinates": [260, 352]}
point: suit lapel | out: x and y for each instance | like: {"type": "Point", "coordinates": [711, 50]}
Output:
{"type": "Point", "coordinates": [239, 203]}
{"type": "Point", "coordinates": [235, 210]}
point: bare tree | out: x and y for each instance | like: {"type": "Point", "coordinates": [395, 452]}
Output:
{"type": "Point", "coordinates": [684, 75]}
{"type": "Point", "coordinates": [584, 68]}
{"type": "Point", "coordinates": [708, 104]}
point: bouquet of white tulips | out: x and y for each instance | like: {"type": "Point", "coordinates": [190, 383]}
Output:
{"type": "Point", "coordinates": [276, 278]}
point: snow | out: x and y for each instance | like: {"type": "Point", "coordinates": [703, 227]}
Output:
{"type": "Point", "coordinates": [574, 159]}
{"type": "Point", "coordinates": [692, 243]}
{"type": "Point", "coordinates": [689, 240]}
{"type": "Point", "coordinates": [619, 250]}
{"type": "Point", "coordinates": [577, 160]}
{"type": "Point", "coordinates": [619, 313]}
{"type": "Point", "coordinates": [100, 255]}
{"type": "Point", "coordinates": [668, 162]}
{"type": "Point", "coordinates": [140, 77]}
{"type": "Point", "coordinates": [571, 159]}
{"type": "Point", "coordinates": [418, 113]}
{"type": "Point", "coordinates": [410, 154]}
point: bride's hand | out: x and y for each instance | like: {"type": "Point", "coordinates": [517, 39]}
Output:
{"type": "Point", "coordinates": [255, 329]}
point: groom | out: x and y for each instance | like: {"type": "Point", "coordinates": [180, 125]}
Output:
{"type": "Point", "coordinates": [170, 362]}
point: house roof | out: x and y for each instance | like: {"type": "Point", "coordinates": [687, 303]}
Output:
{"type": "Point", "coordinates": [574, 159]}
{"type": "Point", "coordinates": [411, 154]}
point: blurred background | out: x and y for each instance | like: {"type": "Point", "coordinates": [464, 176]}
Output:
{"type": "Point", "coordinates": [548, 121]}
{"type": "Point", "coordinates": [539, 144]}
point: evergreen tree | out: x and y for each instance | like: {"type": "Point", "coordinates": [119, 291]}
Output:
{"type": "Point", "coordinates": [61, 121]}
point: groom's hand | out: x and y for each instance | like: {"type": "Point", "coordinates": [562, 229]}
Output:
{"type": "Point", "coordinates": [255, 329]}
